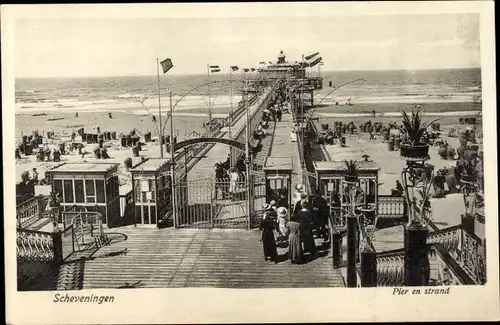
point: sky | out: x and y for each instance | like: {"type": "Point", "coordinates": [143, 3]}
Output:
{"type": "Point", "coordinates": [78, 47]}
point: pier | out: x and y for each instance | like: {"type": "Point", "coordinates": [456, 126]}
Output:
{"type": "Point", "coordinates": [181, 224]}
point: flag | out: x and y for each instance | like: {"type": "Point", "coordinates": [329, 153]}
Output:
{"type": "Point", "coordinates": [215, 70]}
{"type": "Point", "coordinates": [252, 69]}
{"type": "Point", "coordinates": [166, 65]}
{"type": "Point", "coordinates": [262, 62]}
{"type": "Point", "coordinates": [270, 62]}
{"type": "Point", "coordinates": [316, 61]}
{"type": "Point", "coordinates": [246, 70]}
{"type": "Point", "coordinates": [214, 67]}
{"type": "Point", "coordinates": [309, 57]}
{"type": "Point", "coordinates": [234, 68]}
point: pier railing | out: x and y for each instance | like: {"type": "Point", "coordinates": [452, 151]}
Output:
{"type": "Point", "coordinates": [456, 257]}
{"type": "Point", "coordinates": [30, 211]}
{"type": "Point", "coordinates": [391, 207]}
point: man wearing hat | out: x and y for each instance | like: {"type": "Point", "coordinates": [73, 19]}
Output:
{"type": "Point", "coordinates": [320, 214]}
{"type": "Point", "coordinates": [305, 218]}
{"type": "Point", "coordinates": [267, 226]}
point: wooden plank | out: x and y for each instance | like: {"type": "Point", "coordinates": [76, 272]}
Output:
{"type": "Point", "coordinates": [202, 258]}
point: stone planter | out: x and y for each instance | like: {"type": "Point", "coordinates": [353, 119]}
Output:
{"type": "Point", "coordinates": [352, 179]}
{"type": "Point", "coordinates": [414, 151]}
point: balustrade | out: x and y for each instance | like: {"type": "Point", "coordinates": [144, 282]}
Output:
{"type": "Point", "coordinates": [390, 268]}
{"type": "Point", "coordinates": [29, 212]}
{"type": "Point", "coordinates": [35, 246]}
{"type": "Point", "coordinates": [449, 238]}
{"type": "Point", "coordinates": [391, 206]}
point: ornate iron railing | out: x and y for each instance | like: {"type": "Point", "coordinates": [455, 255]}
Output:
{"type": "Point", "coordinates": [391, 206]}
{"type": "Point", "coordinates": [446, 269]}
{"type": "Point", "coordinates": [473, 257]}
{"type": "Point", "coordinates": [29, 212]}
{"type": "Point", "coordinates": [466, 249]}
{"type": "Point", "coordinates": [390, 268]}
{"type": "Point", "coordinates": [35, 246]}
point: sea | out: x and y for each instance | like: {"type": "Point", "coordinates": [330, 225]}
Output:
{"type": "Point", "coordinates": [191, 94]}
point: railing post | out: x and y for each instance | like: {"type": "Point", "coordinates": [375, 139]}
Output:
{"type": "Point", "coordinates": [416, 261]}
{"type": "Point", "coordinates": [57, 246]}
{"type": "Point", "coordinates": [467, 221]}
{"type": "Point", "coordinates": [336, 249]}
{"type": "Point", "coordinates": [351, 251]}
{"type": "Point", "coordinates": [368, 268]}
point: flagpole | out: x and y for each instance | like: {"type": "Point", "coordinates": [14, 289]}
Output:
{"type": "Point", "coordinates": [159, 106]}
{"type": "Point", "coordinates": [231, 96]}
{"type": "Point", "coordinates": [209, 102]}
{"type": "Point", "coordinates": [172, 162]}
{"type": "Point", "coordinates": [247, 151]}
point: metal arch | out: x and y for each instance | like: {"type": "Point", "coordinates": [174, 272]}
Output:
{"type": "Point", "coordinates": [186, 143]}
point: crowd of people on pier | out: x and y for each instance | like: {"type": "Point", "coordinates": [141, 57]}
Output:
{"type": "Point", "coordinates": [294, 225]}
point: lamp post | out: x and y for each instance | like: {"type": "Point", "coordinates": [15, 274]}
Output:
{"type": "Point", "coordinates": [351, 191]}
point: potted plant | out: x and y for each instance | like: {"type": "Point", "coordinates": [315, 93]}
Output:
{"type": "Point", "coordinates": [127, 163]}
{"type": "Point", "coordinates": [351, 171]}
{"type": "Point", "coordinates": [467, 172]}
{"type": "Point", "coordinates": [413, 148]}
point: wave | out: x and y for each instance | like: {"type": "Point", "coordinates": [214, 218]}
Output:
{"type": "Point", "coordinates": [398, 114]}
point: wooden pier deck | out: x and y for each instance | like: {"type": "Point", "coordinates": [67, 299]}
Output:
{"type": "Point", "coordinates": [160, 258]}
{"type": "Point", "coordinates": [284, 147]}
{"type": "Point", "coordinates": [205, 167]}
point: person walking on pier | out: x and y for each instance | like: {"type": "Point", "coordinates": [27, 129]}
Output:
{"type": "Point", "coordinates": [298, 205]}
{"type": "Point", "coordinates": [233, 182]}
{"type": "Point", "coordinates": [297, 194]}
{"type": "Point", "coordinates": [305, 217]}
{"type": "Point", "coordinates": [220, 182]}
{"type": "Point", "coordinates": [283, 201]}
{"type": "Point", "coordinates": [279, 114]}
{"type": "Point", "coordinates": [320, 215]}
{"type": "Point", "coordinates": [282, 221]}
{"type": "Point", "coordinates": [267, 226]}
{"type": "Point", "coordinates": [295, 252]}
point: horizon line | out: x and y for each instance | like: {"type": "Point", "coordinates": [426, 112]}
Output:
{"type": "Point", "coordinates": [222, 73]}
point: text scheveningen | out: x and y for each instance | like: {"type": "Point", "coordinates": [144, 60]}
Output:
{"type": "Point", "coordinates": [82, 299]}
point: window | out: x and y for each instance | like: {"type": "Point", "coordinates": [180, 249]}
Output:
{"type": "Point", "coordinates": [101, 196]}
{"type": "Point", "coordinates": [147, 192]}
{"type": "Point", "coordinates": [79, 191]}
{"type": "Point", "coordinates": [137, 190]}
{"type": "Point", "coordinates": [58, 187]}
{"type": "Point", "coordinates": [68, 191]}
{"type": "Point", "coordinates": [90, 190]}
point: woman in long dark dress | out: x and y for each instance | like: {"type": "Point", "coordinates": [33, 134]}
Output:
{"type": "Point", "coordinates": [295, 247]}
{"type": "Point", "coordinates": [267, 226]}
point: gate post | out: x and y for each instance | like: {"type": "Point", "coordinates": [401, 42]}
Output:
{"type": "Point", "coordinates": [336, 248]}
{"type": "Point", "coordinates": [212, 203]}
